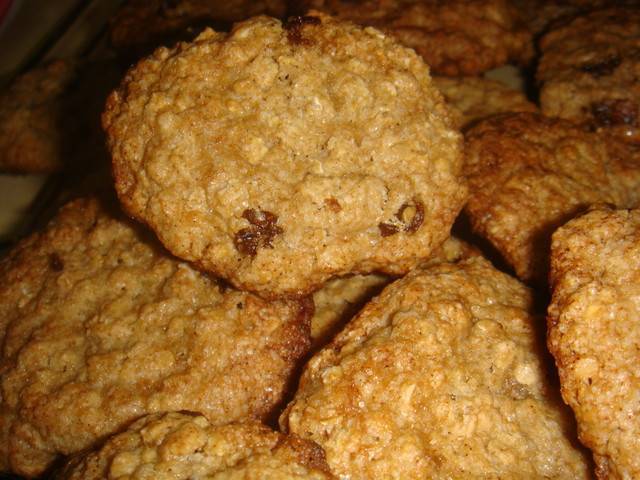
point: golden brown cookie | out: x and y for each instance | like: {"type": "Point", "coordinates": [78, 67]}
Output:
{"type": "Point", "coordinates": [594, 333]}
{"type": "Point", "coordinates": [455, 37]}
{"type": "Point", "coordinates": [529, 174]}
{"type": "Point", "coordinates": [147, 24]}
{"type": "Point", "coordinates": [182, 446]}
{"type": "Point", "coordinates": [441, 376]}
{"type": "Point", "coordinates": [474, 98]}
{"type": "Point", "coordinates": [590, 71]}
{"type": "Point", "coordinates": [341, 298]}
{"type": "Point", "coordinates": [99, 325]}
{"type": "Point", "coordinates": [278, 156]}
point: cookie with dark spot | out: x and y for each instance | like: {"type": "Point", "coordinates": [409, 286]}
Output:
{"type": "Point", "coordinates": [529, 174]}
{"type": "Point", "coordinates": [590, 71]}
{"type": "Point", "coordinates": [182, 446]}
{"type": "Point", "coordinates": [280, 155]}
{"type": "Point", "coordinates": [100, 325]}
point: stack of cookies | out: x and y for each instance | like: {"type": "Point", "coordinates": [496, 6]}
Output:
{"type": "Point", "coordinates": [271, 290]}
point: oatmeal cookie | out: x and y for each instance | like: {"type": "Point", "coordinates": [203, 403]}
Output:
{"type": "Point", "coordinates": [50, 116]}
{"type": "Point", "coordinates": [473, 98]}
{"type": "Point", "coordinates": [278, 156]}
{"type": "Point", "coordinates": [99, 325]}
{"type": "Point", "coordinates": [594, 333]}
{"type": "Point", "coordinates": [459, 37]}
{"type": "Point", "coordinates": [590, 71]}
{"type": "Point", "coordinates": [341, 298]}
{"type": "Point", "coordinates": [145, 24]}
{"type": "Point", "coordinates": [177, 446]}
{"type": "Point", "coordinates": [529, 174]}
{"type": "Point", "coordinates": [441, 376]}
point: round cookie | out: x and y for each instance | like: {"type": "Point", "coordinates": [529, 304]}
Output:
{"type": "Point", "coordinates": [99, 325]}
{"type": "Point", "coordinates": [182, 446]}
{"type": "Point", "coordinates": [590, 71]}
{"type": "Point", "coordinates": [278, 156]}
{"type": "Point", "coordinates": [441, 376]}
{"type": "Point", "coordinates": [474, 98]}
{"type": "Point", "coordinates": [594, 333]}
{"type": "Point", "coordinates": [455, 37]}
{"type": "Point", "coordinates": [528, 174]}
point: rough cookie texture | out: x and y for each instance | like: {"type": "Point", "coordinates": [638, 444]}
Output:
{"type": "Point", "coordinates": [341, 298]}
{"type": "Point", "coordinates": [146, 24]}
{"type": "Point", "coordinates": [278, 156]}
{"type": "Point", "coordinates": [441, 376]}
{"type": "Point", "coordinates": [474, 98]}
{"type": "Point", "coordinates": [100, 326]}
{"type": "Point", "coordinates": [529, 174]}
{"type": "Point", "coordinates": [594, 333]}
{"type": "Point", "coordinates": [181, 446]}
{"type": "Point", "coordinates": [455, 37]}
{"type": "Point", "coordinates": [590, 71]}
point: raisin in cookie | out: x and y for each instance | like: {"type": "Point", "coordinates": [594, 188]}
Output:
{"type": "Point", "coordinates": [280, 155]}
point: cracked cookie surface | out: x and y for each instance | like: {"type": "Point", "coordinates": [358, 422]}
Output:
{"type": "Point", "coordinates": [280, 155]}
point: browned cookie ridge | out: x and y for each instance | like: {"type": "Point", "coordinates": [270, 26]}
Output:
{"type": "Point", "coordinates": [529, 174]}
{"type": "Point", "coordinates": [441, 376]}
{"type": "Point", "coordinates": [594, 333]}
{"type": "Point", "coordinates": [100, 325]}
{"type": "Point", "coordinates": [183, 446]}
{"type": "Point", "coordinates": [280, 155]}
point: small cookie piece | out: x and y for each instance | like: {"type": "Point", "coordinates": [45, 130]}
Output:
{"type": "Point", "coordinates": [529, 174]}
{"type": "Point", "coordinates": [50, 116]}
{"type": "Point", "coordinates": [146, 24]}
{"type": "Point", "coordinates": [590, 71]}
{"type": "Point", "coordinates": [474, 98]}
{"type": "Point", "coordinates": [440, 376]}
{"type": "Point", "coordinates": [594, 333]}
{"type": "Point", "coordinates": [182, 446]}
{"type": "Point", "coordinates": [278, 156]}
{"type": "Point", "coordinates": [455, 37]}
{"type": "Point", "coordinates": [341, 298]}
{"type": "Point", "coordinates": [99, 325]}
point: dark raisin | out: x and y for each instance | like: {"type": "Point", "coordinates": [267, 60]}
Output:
{"type": "Point", "coordinates": [603, 67]}
{"type": "Point", "coordinates": [388, 229]}
{"type": "Point", "coordinates": [294, 27]}
{"type": "Point", "coordinates": [333, 204]}
{"type": "Point", "coordinates": [417, 218]}
{"type": "Point", "coordinates": [259, 234]}
{"type": "Point", "coordinates": [56, 263]}
{"type": "Point", "coordinates": [615, 112]}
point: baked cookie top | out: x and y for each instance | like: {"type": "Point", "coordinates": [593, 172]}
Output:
{"type": "Point", "coordinates": [455, 37]}
{"type": "Point", "coordinates": [279, 155]}
{"type": "Point", "coordinates": [441, 376]}
{"type": "Point", "coordinates": [529, 174]}
{"type": "Point", "coordinates": [590, 69]}
{"type": "Point", "coordinates": [594, 333]}
{"type": "Point", "coordinates": [182, 446]}
{"type": "Point", "coordinates": [99, 325]}
{"type": "Point", "coordinates": [147, 24]}
{"type": "Point", "coordinates": [474, 98]}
